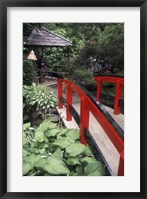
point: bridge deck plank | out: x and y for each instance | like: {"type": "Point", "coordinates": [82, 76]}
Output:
{"type": "Point", "coordinates": [108, 149]}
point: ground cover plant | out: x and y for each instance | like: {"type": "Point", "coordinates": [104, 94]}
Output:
{"type": "Point", "coordinates": [38, 100]}
{"type": "Point", "coordinates": [52, 151]}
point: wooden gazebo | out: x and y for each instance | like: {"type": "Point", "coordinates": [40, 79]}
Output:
{"type": "Point", "coordinates": [45, 38]}
{"type": "Point", "coordinates": [42, 38]}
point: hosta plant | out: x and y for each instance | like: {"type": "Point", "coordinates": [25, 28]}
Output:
{"type": "Point", "coordinates": [51, 151]}
{"type": "Point", "coordinates": [38, 99]}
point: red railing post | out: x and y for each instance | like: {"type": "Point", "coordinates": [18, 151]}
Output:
{"type": "Point", "coordinates": [60, 93]}
{"type": "Point", "coordinates": [88, 106]}
{"type": "Point", "coordinates": [119, 89]}
{"type": "Point", "coordinates": [84, 120]}
{"type": "Point", "coordinates": [68, 102]}
{"type": "Point", "coordinates": [99, 90]}
{"type": "Point", "coordinates": [121, 164]}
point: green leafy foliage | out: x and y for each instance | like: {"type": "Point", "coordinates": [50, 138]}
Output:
{"type": "Point", "coordinates": [49, 150]}
{"type": "Point", "coordinates": [29, 72]}
{"type": "Point", "coordinates": [112, 44]}
{"type": "Point", "coordinates": [101, 40]}
{"type": "Point", "coordinates": [96, 167]}
{"type": "Point", "coordinates": [75, 149]}
{"type": "Point", "coordinates": [62, 142]}
{"type": "Point", "coordinates": [58, 154]}
{"type": "Point", "coordinates": [73, 161]}
{"type": "Point", "coordinates": [52, 132]}
{"type": "Point", "coordinates": [26, 167]}
{"type": "Point", "coordinates": [46, 125]}
{"type": "Point", "coordinates": [39, 136]}
{"type": "Point", "coordinates": [38, 100]}
{"type": "Point", "coordinates": [88, 159]}
{"type": "Point", "coordinates": [56, 166]}
{"type": "Point", "coordinates": [26, 125]}
{"type": "Point", "coordinates": [40, 163]}
{"type": "Point", "coordinates": [84, 77]}
{"type": "Point", "coordinates": [38, 97]}
{"type": "Point", "coordinates": [32, 158]}
{"type": "Point", "coordinates": [73, 134]}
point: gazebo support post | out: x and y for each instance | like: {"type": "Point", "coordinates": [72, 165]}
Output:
{"type": "Point", "coordinates": [68, 52]}
{"type": "Point", "coordinates": [42, 53]}
{"type": "Point", "coordinates": [46, 38]}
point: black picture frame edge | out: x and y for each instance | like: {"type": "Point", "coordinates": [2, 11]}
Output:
{"type": "Point", "coordinates": [3, 103]}
{"type": "Point", "coordinates": [3, 93]}
{"type": "Point", "coordinates": [75, 3]}
{"type": "Point", "coordinates": [143, 97]}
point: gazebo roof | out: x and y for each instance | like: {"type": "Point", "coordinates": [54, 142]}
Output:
{"type": "Point", "coordinates": [45, 38]}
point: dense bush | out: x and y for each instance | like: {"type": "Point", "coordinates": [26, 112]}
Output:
{"type": "Point", "coordinates": [29, 72]}
{"type": "Point", "coordinates": [51, 151]}
{"type": "Point", "coordinates": [86, 55]}
{"type": "Point", "coordinates": [84, 77]}
{"type": "Point", "coordinates": [112, 44]}
{"type": "Point", "coordinates": [105, 40]}
{"type": "Point", "coordinates": [38, 100]}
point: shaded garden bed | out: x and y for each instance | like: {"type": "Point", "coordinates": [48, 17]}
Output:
{"type": "Point", "coordinates": [49, 150]}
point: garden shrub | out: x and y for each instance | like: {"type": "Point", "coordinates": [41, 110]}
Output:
{"type": "Point", "coordinates": [29, 72]}
{"type": "Point", "coordinates": [52, 151]}
{"type": "Point", "coordinates": [37, 100]}
{"type": "Point", "coordinates": [84, 77]}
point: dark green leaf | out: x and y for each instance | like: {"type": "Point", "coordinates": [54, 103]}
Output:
{"type": "Point", "coordinates": [88, 159]}
{"type": "Point", "coordinates": [80, 170]}
{"type": "Point", "coordinates": [27, 167]}
{"type": "Point", "coordinates": [25, 153]}
{"type": "Point", "coordinates": [62, 142]}
{"type": "Point", "coordinates": [55, 166]}
{"type": "Point", "coordinates": [40, 163]}
{"type": "Point", "coordinates": [96, 173]}
{"type": "Point", "coordinates": [73, 161]}
{"type": "Point", "coordinates": [32, 158]}
{"type": "Point", "coordinates": [57, 154]}
{"type": "Point", "coordinates": [39, 136]}
{"type": "Point", "coordinates": [73, 133]}
{"type": "Point", "coordinates": [26, 126]}
{"type": "Point", "coordinates": [75, 149]}
{"type": "Point", "coordinates": [52, 132]}
{"type": "Point", "coordinates": [87, 151]}
{"type": "Point", "coordinates": [94, 167]}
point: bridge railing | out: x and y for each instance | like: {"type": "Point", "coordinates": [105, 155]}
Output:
{"type": "Point", "coordinates": [90, 104]}
{"type": "Point", "coordinates": [119, 81]}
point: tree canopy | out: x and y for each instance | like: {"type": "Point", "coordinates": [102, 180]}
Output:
{"type": "Point", "coordinates": [102, 40]}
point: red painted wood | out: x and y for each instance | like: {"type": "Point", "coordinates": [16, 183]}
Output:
{"type": "Point", "coordinates": [110, 79]}
{"type": "Point", "coordinates": [99, 90]}
{"type": "Point", "coordinates": [84, 120]}
{"type": "Point", "coordinates": [121, 164]}
{"type": "Point", "coordinates": [68, 102]}
{"type": "Point", "coordinates": [60, 93]}
{"type": "Point", "coordinates": [88, 106]}
{"type": "Point", "coordinates": [107, 126]}
{"type": "Point", "coordinates": [119, 89]}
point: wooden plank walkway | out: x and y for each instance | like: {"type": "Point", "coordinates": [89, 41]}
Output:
{"type": "Point", "coordinates": [108, 149]}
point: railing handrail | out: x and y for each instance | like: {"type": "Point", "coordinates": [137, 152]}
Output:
{"type": "Point", "coordinates": [87, 105]}
{"type": "Point", "coordinates": [119, 81]}
{"type": "Point", "coordinates": [104, 111]}
{"type": "Point", "coordinates": [111, 79]}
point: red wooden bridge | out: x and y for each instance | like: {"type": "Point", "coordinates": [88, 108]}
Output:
{"type": "Point", "coordinates": [103, 125]}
